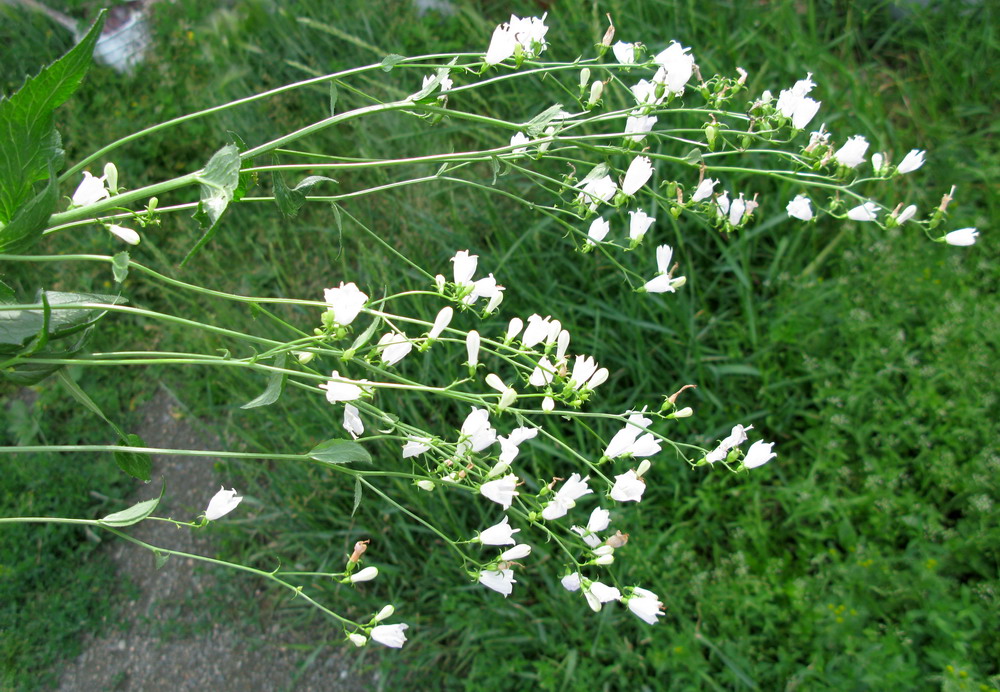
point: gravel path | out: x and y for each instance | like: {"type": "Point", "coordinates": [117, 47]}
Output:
{"type": "Point", "coordinates": [145, 652]}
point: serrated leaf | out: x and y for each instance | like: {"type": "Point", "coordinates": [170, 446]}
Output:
{"type": "Point", "coordinates": [275, 383]}
{"type": "Point", "coordinates": [134, 514]}
{"type": "Point", "coordinates": [18, 327]}
{"type": "Point", "coordinates": [391, 60]}
{"type": "Point", "coordinates": [357, 495]}
{"type": "Point", "coordinates": [119, 266]}
{"type": "Point", "coordinates": [29, 145]}
{"type": "Point", "coordinates": [536, 126]}
{"type": "Point", "coordinates": [31, 218]}
{"type": "Point", "coordinates": [219, 181]}
{"type": "Point", "coordinates": [340, 452]}
{"type": "Point", "coordinates": [136, 464]}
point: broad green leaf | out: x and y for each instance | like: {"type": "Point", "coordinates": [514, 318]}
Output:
{"type": "Point", "coordinates": [218, 181]}
{"type": "Point", "coordinates": [77, 393]}
{"type": "Point", "coordinates": [134, 514]}
{"type": "Point", "coordinates": [275, 383]}
{"type": "Point", "coordinates": [119, 266]}
{"type": "Point", "coordinates": [136, 464]}
{"type": "Point", "coordinates": [31, 218]}
{"type": "Point", "coordinates": [6, 294]}
{"type": "Point", "coordinates": [391, 60]}
{"type": "Point", "coordinates": [28, 372]}
{"type": "Point", "coordinates": [340, 452]}
{"type": "Point", "coordinates": [18, 327]}
{"type": "Point", "coordinates": [29, 145]}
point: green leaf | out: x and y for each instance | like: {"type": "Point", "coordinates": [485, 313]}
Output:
{"type": "Point", "coordinates": [30, 219]}
{"type": "Point", "coordinates": [357, 495]}
{"type": "Point", "coordinates": [18, 327]}
{"type": "Point", "coordinates": [77, 393]}
{"type": "Point", "coordinates": [219, 181]}
{"type": "Point", "coordinates": [536, 126]}
{"type": "Point", "coordinates": [275, 383]}
{"type": "Point", "coordinates": [29, 146]}
{"type": "Point", "coordinates": [27, 372]}
{"type": "Point", "coordinates": [340, 452]}
{"type": "Point", "coordinates": [289, 201]}
{"type": "Point", "coordinates": [136, 464]}
{"type": "Point", "coordinates": [134, 514]}
{"type": "Point", "coordinates": [119, 266]}
{"type": "Point", "coordinates": [362, 339]}
{"type": "Point", "coordinates": [161, 558]}
{"type": "Point", "coordinates": [391, 60]}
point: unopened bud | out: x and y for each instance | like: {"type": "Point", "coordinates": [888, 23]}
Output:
{"type": "Point", "coordinates": [111, 177]}
{"type": "Point", "coordinates": [685, 412]}
{"type": "Point", "coordinates": [643, 467]}
{"type": "Point", "coordinates": [604, 550]}
{"type": "Point", "coordinates": [439, 282]}
{"type": "Point", "coordinates": [584, 78]}
{"type": "Point", "coordinates": [425, 485]}
{"type": "Point", "coordinates": [386, 612]}
{"type": "Point", "coordinates": [358, 640]}
{"type": "Point", "coordinates": [304, 356]}
{"type": "Point", "coordinates": [596, 89]}
{"type": "Point", "coordinates": [367, 574]}
{"type": "Point", "coordinates": [604, 560]}
{"type": "Point", "coordinates": [508, 397]}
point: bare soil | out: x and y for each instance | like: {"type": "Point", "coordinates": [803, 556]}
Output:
{"type": "Point", "coordinates": [164, 641]}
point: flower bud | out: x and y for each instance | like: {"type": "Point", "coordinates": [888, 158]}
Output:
{"type": "Point", "coordinates": [603, 550]}
{"type": "Point", "coordinates": [513, 329]}
{"type": "Point", "coordinates": [508, 397]}
{"type": "Point", "coordinates": [548, 404]}
{"type": "Point", "coordinates": [685, 412]}
{"type": "Point", "coordinates": [596, 89]}
{"type": "Point", "coordinates": [643, 467]}
{"type": "Point", "coordinates": [494, 302]}
{"type": "Point", "coordinates": [386, 612]}
{"type": "Point", "coordinates": [562, 344]}
{"type": "Point", "coordinates": [472, 348]}
{"type": "Point", "coordinates": [516, 553]}
{"type": "Point", "coordinates": [358, 640]}
{"type": "Point", "coordinates": [604, 560]}
{"type": "Point", "coordinates": [496, 383]}
{"type": "Point", "coordinates": [111, 177]}
{"type": "Point", "coordinates": [367, 574]}
{"type": "Point", "coordinates": [304, 356]}
{"type": "Point", "coordinates": [439, 282]}
{"type": "Point", "coordinates": [584, 78]}
{"type": "Point", "coordinates": [425, 485]}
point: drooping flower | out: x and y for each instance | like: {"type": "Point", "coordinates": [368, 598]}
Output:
{"type": "Point", "coordinates": [465, 267]}
{"type": "Point", "coordinates": [222, 503]}
{"type": "Point", "coordinates": [906, 214]}
{"type": "Point", "coordinates": [543, 373]}
{"type": "Point", "coordinates": [498, 534]}
{"type": "Point", "coordinates": [394, 347]}
{"type": "Point", "coordinates": [626, 437]}
{"type": "Point", "coordinates": [638, 174]}
{"type": "Point", "coordinates": [584, 368]}
{"type": "Point", "coordinates": [90, 191]}
{"type": "Point", "coordinates": [390, 635]}
{"type": "Point", "coordinates": [442, 320]}
{"type": "Point", "coordinates": [596, 191]}
{"type": "Point", "coordinates": [963, 237]}
{"type": "Point", "coordinates": [501, 45]}
{"type": "Point", "coordinates": [639, 223]}
{"type": "Point", "coordinates": [530, 33]}
{"type": "Point", "coordinates": [636, 126]}
{"type": "Point", "coordinates": [795, 104]}
{"type": "Point", "coordinates": [704, 190]}
{"type": "Point", "coordinates": [911, 162]}
{"type": "Point", "coordinates": [415, 446]}
{"type": "Point", "coordinates": [645, 604]}
{"type": "Point", "coordinates": [853, 152]}
{"type": "Point", "coordinates": [865, 212]}
{"type": "Point", "coordinates": [510, 445]}
{"type": "Point", "coordinates": [126, 234]}
{"type": "Point", "coordinates": [571, 582]}
{"type": "Point", "coordinates": [676, 67]}
{"type": "Point", "coordinates": [624, 52]}
{"type": "Point", "coordinates": [565, 499]}
{"type": "Point", "coordinates": [537, 331]}
{"type": "Point", "coordinates": [518, 552]}
{"type": "Point", "coordinates": [599, 229]}
{"type": "Point", "coordinates": [759, 454]}
{"type": "Point", "coordinates": [800, 208]}
{"type": "Point", "coordinates": [345, 302]}
{"type": "Point", "coordinates": [502, 490]}
{"type": "Point", "coordinates": [501, 580]}
{"type": "Point", "coordinates": [477, 434]}
{"type": "Point", "coordinates": [628, 487]}
{"type": "Point", "coordinates": [736, 210]}
{"type": "Point", "coordinates": [367, 574]}
{"type": "Point", "coordinates": [342, 389]}
{"type": "Point", "coordinates": [645, 94]}
{"type": "Point", "coordinates": [517, 140]}
{"type": "Point", "coordinates": [598, 594]}
{"type": "Point", "coordinates": [513, 329]}
{"type": "Point", "coordinates": [352, 421]}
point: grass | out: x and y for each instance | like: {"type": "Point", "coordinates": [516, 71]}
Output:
{"type": "Point", "coordinates": [864, 557]}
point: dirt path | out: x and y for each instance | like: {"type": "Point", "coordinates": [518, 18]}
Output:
{"type": "Point", "coordinates": [166, 643]}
